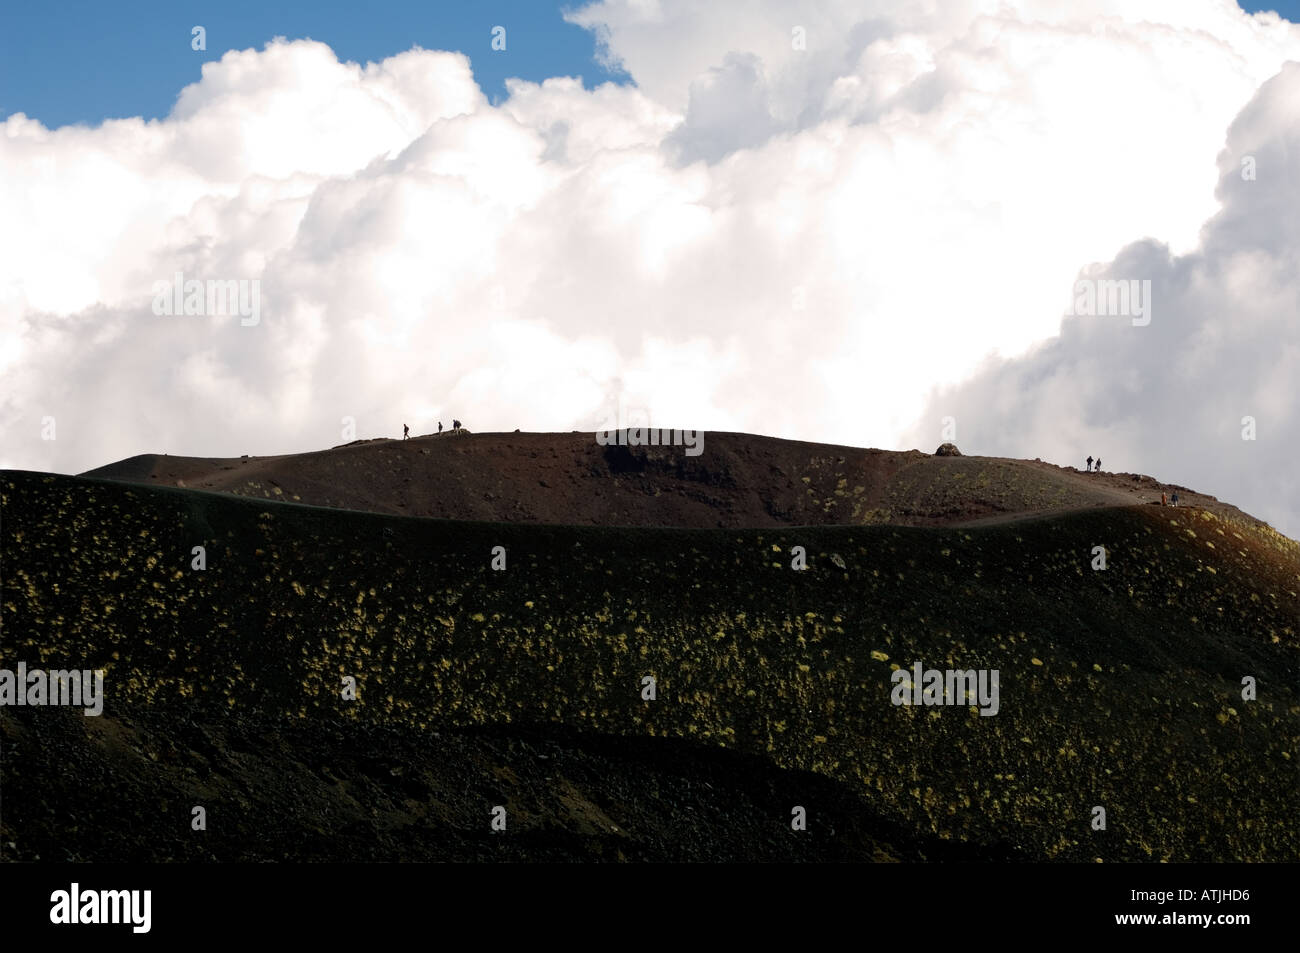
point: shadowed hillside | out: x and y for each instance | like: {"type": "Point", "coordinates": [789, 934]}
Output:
{"type": "Point", "coordinates": [1119, 688]}
{"type": "Point", "coordinates": [739, 480]}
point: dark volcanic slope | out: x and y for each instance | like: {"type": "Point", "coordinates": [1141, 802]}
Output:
{"type": "Point", "coordinates": [1119, 688]}
{"type": "Point", "coordinates": [739, 480]}
{"type": "Point", "coordinates": [334, 790]}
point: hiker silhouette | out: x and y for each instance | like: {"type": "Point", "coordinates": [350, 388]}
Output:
{"type": "Point", "coordinates": [406, 432]}
{"type": "Point", "coordinates": [1097, 468]}
{"type": "Point", "coordinates": [440, 426]}
{"type": "Point", "coordinates": [455, 425]}
{"type": "Point", "coordinates": [1090, 464]}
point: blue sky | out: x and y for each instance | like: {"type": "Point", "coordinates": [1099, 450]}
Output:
{"type": "Point", "coordinates": [1288, 8]}
{"type": "Point", "coordinates": [85, 61]}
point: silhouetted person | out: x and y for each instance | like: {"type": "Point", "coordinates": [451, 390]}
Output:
{"type": "Point", "coordinates": [1175, 499]}
{"type": "Point", "coordinates": [1097, 468]}
{"type": "Point", "coordinates": [1090, 464]}
{"type": "Point", "coordinates": [406, 432]}
{"type": "Point", "coordinates": [455, 425]}
{"type": "Point", "coordinates": [440, 426]}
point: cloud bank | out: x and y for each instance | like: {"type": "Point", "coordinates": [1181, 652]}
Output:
{"type": "Point", "coordinates": [1205, 394]}
{"type": "Point", "coordinates": [801, 224]}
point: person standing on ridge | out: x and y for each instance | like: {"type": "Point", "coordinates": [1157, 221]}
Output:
{"type": "Point", "coordinates": [406, 432]}
{"type": "Point", "coordinates": [1090, 464]}
{"type": "Point", "coordinates": [455, 424]}
{"type": "Point", "coordinates": [440, 426]}
{"type": "Point", "coordinates": [1097, 468]}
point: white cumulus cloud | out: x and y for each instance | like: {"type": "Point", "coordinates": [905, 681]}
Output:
{"type": "Point", "coordinates": [798, 220]}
